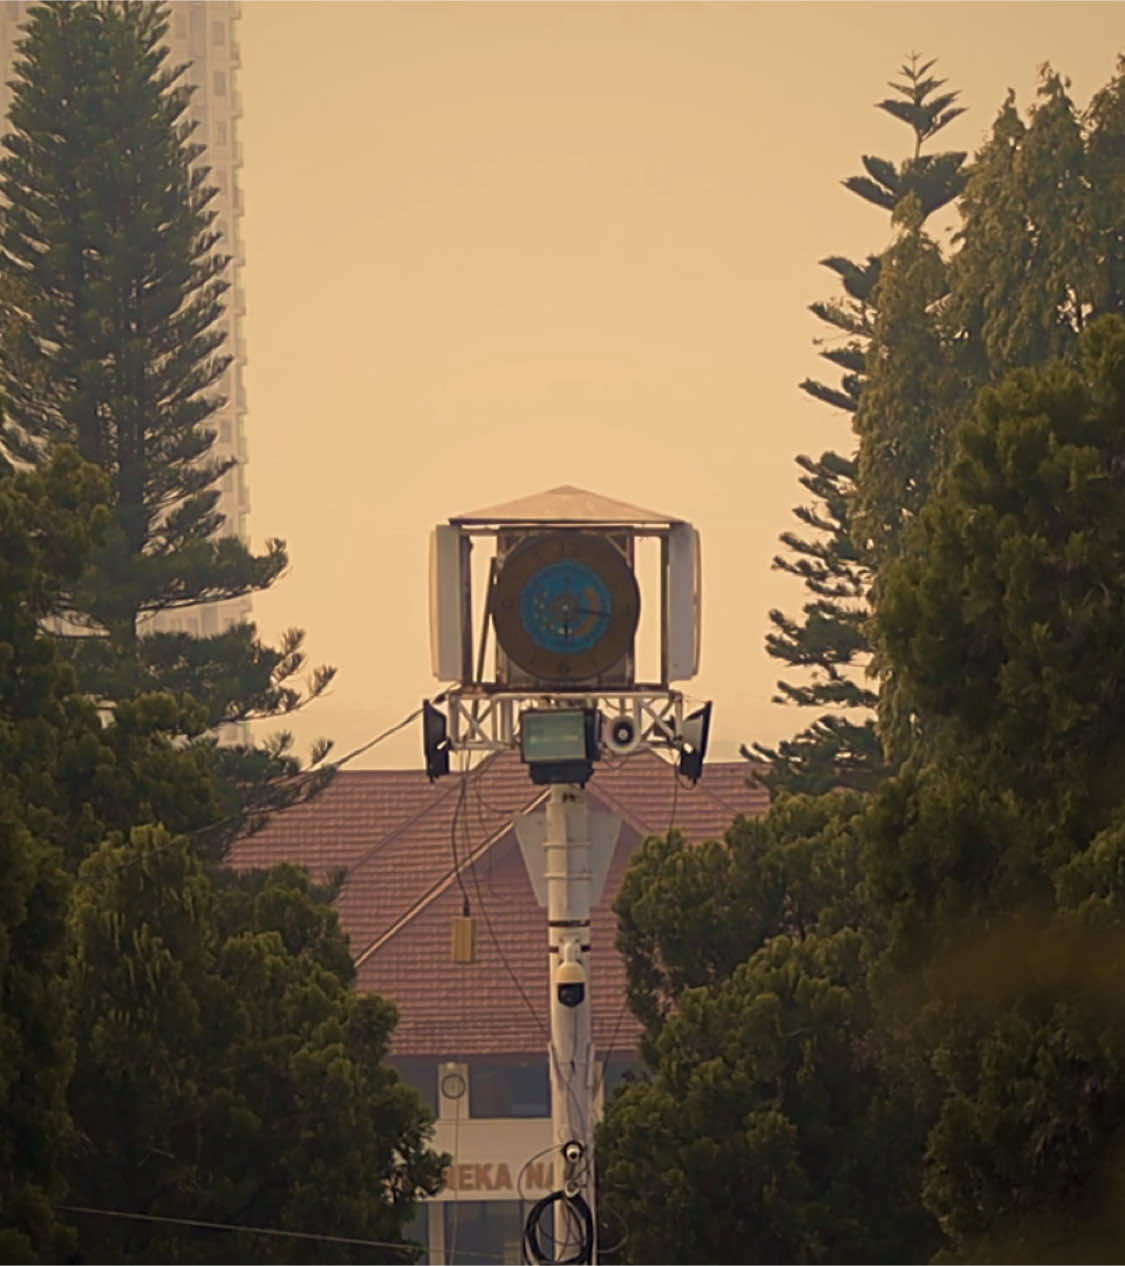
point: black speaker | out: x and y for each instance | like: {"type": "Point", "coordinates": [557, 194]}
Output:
{"type": "Point", "coordinates": [435, 740]}
{"type": "Point", "coordinates": [693, 742]}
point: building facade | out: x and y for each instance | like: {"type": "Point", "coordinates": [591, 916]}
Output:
{"type": "Point", "coordinates": [204, 37]}
{"type": "Point", "coordinates": [473, 1036]}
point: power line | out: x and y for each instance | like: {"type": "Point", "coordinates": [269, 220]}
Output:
{"type": "Point", "coordinates": [406, 1249]}
{"type": "Point", "coordinates": [496, 940]}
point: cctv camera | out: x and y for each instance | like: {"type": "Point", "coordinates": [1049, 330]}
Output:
{"type": "Point", "coordinates": [570, 982]}
{"type": "Point", "coordinates": [572, 1152]}
{"type": "Point", "coordinates": [621, 734]}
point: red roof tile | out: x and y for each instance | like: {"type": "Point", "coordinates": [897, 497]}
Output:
{"type": "Point", "coordinates": [395, 834]}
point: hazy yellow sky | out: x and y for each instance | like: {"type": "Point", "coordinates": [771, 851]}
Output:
{"type": "Point", "coordinates": [493, 248]}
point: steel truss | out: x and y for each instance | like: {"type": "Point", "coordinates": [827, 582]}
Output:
{"type": "Point", "coordinates": [487, 720]}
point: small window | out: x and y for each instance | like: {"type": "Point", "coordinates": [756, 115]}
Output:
{"type": "Point", "coordinates": [224, 431]}
{"type": "Point", "coordinates": [221, 132]}
{"type": "Point", "coordinates": [218, 32]}
{"type": "Point", "coordinates": [210, 621]}
{"type": "Point", "coordinates": [510, 1086]}
{"type": "Point", "coordinates": [219, 83]}
{"type": "Point", "coordinates": [484, 1230]}
{"type": "Point", "coordinates": [419, 1073]}
{"type": "Point", "coordinates": [619, 1071]}
{"type": "Point", "coordinates": [179, 26]}
{"type": "Point", "coordinates": [220, 179]}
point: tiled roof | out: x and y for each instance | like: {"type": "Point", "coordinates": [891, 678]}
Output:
{"type": "Point", "coordinates": [395, 835]}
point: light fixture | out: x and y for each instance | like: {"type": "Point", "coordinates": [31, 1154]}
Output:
{"type": "Point", "coordinates": [559, 744]}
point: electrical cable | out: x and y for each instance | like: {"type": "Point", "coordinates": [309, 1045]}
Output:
{"type": "Point", "coordinates": [304, 776]}
{"type": "Point", "coordinates": [496, 941]}
{"type": "Point", "coordinates": [546, 1151]}
{"type": "Point", "coordinates": [457, 807]}
{"type": "Point", "coordinates": [566, 1078]}
{"type": "Point", "coordinates": [578, 1212]}
{"type": "Point", "coordinates": [676, 782]}
{"type": "Point", "coordinates": [406, 1249]}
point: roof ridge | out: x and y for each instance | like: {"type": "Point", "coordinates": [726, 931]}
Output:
{"type": "Point", "coordinates": [734, 812]}
{"type": "Point", "coordinates": [699, 786]}
{"type": "Point", "coordinates": [406, 823]}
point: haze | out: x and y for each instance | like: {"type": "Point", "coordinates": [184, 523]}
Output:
{"type": "Point", "coordinates": [493, 248]}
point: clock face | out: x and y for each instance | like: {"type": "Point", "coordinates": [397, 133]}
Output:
{"type": "Point", "coordinates": [566, 606]}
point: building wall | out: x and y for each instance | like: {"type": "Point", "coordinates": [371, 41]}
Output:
{"type": "Point", "coordinates": [501, 1164]}
{"type": "Point", "coordinates": [204, 35]}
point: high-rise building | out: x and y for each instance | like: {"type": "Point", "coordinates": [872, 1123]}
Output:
{"type": "Point", "coordinates": [202, 36]}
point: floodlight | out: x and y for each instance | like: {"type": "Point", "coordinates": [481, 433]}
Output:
{"type": "Point", "coordinates": [559, 744]}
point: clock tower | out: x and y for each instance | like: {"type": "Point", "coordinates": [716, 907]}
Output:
{"type": "Point", "coordinates": [557, 590]}
{"type": "Point", "coordinates": [557, 601]}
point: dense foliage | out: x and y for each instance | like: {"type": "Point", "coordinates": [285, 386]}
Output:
{"type": "Point", "coordinates": [115, 285]}
{"type": "Point", "coordinates": [887, 1026]}
{"type": "Point", "coordinates": [884, 298]}
{"type": "Point", "coordinates": [178, 1043]}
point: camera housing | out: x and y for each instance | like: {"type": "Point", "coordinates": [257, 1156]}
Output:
{"type": "Point", "coordinates": [570, 983]}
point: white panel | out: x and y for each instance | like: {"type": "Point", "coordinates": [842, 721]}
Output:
{"type": "Point", "coordinates": [445, 603]}
{"type": "Point", "coordinates": [684, 613]}
{"type": "Point", "coordinates": [531, 831]}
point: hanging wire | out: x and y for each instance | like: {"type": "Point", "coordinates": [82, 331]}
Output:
{"type": "Point", "coordinates": [457, 807]}
{"type": "Point", "coordinates": [305, 776]}
{"type": "Point", "coordinates": [577, 1213]}
{"type": "Point", "coordinates": [546, 1151]}
{"type": "Point", "coordinates": [676, 783]}
{"type": "Point", "coordinates": [406, 1249]}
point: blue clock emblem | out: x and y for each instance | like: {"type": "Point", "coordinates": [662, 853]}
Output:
{"type": "Point", "coordinates": [566, 607]}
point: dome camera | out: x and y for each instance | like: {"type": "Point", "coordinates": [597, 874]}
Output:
{"type": "Point", "coordinates": [570, 981]}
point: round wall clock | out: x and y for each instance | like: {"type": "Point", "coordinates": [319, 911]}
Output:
{"type": "Point", "coordinates": [565, 606]}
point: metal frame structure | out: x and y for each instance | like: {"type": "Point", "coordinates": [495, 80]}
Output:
{"type": "Point", "coordinates": [567, 846]}
{"type": "Point", "coordinates": [487, 720]}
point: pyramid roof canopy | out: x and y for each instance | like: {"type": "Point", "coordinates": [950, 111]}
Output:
{"type": "Point", "coordinates": [563, 505]}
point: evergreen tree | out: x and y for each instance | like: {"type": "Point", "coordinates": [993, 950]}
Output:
{"type": "Point", "coordinates": [834, 564]}
{"type": "Point", "coordinates": [107, 235]}
{"type": "Point", "coordinates": [1026, 276]}
{"type": "Point", "coordinates": [765, 1128]}
{"type": "Point", "coordinates": [996, 854]}
{"type": "Point", "coordinates": [46, 521]}
{"type": "Point", "coordinates": [226, 1070]}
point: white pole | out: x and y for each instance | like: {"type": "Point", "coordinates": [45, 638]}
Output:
{"type": "Point", "coordinates": [569, 897]}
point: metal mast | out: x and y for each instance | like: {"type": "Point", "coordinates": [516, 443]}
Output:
{"type": "Point", "coordinates": [569, 898]}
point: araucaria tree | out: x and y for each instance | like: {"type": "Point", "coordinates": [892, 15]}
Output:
{"type": "Point", "coordinates": [113, 262]}
{"type": "Point", "coordinates": [830, 553]}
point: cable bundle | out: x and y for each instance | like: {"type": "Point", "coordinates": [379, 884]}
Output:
{"type": "Point", "coordinates": [578, 1211]}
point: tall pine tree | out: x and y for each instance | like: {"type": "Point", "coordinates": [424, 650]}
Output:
{"type": "Point", "coordinates": [107, 234]}
{"type": "Point", "coordinates": [834, 564]}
